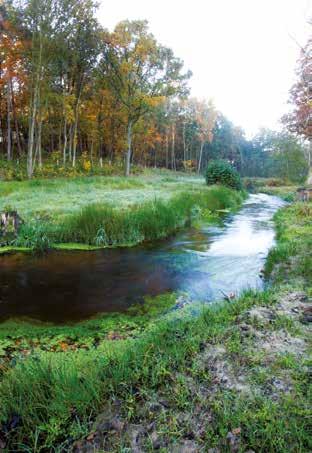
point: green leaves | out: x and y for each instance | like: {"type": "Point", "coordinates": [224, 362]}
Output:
{"type": "Point", "coordinates": [221, 172]}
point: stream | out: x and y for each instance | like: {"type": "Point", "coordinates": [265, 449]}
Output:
{"type": "Point", "coordinates": [66, 286]}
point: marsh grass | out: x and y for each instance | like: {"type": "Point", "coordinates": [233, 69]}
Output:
{"type": "Point", "coordinates": [101, 224]}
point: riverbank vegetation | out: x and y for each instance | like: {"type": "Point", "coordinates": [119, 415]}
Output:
{"type": "Point", "coordinates": [113, 211]}
{"type": "Point", "coordinates": [234, 377]}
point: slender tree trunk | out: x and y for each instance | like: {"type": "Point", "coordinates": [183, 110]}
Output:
{"type": "Point", "coordinates": [173, 161]}
{"type": "Point", "coordinates": [91, 152]}
{"type": "Point", "coordinates": [19, 147]}
{"type": "Point", "coordinates": [128, 154]}
{"type": "Point", "coordinates": [65, 142]}
{"type": "Point", "coordinates": [184, 144]}
{"type": "Point", "coordinates": [32, 120]}
{"type": "Point", "coordinates": [75, 129]}
{"type": "Point", "coordinates": [9, 132]}
{"type": "Point", "coordinates": [31, 135]}
{"type": "Point", "coordinates": [70, 142]}
{"type": "Point", "coordinates": [39, 150]}
{"type": "Point", "coordinates": [167, 150]}
{"type": "Point", "coordinates": [74, 142]}
{"type": "Point", "coordinates": [200, 157]}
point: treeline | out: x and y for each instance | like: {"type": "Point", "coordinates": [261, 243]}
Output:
{"type": "Point", "coordinates": [71, 90]}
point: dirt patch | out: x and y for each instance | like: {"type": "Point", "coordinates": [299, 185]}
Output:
{"type": "Point", "coordinates": [260, 334]}
{"type": "Point", "coordinates": [216, 362]}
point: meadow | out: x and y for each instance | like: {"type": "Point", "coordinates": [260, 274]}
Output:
{"type": "Point", "coordinates": [109, 211]}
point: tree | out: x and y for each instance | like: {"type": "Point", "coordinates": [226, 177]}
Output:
{"type": "Point", "coordinates": [299, 120]}
{"type": "Point", "coordinates": [205, 116]}
{"type": "Point", "coordinates": [141, 73]}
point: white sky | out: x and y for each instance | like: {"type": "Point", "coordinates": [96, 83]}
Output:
{"type": "Point", "coordinates": [242, 52]}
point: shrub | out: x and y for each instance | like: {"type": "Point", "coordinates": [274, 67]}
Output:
{"type": "Point", "coordinates": [221, 172]}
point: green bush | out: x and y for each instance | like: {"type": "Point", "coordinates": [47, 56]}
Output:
{"type": "Point", "coordinates": [221, 172]}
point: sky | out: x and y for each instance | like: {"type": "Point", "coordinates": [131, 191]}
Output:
{"type": "Point", "coordinates": [242, 53]}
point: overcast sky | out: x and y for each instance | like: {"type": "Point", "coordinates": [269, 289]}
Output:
{"type": "Point", "coordinates": [242, 52]}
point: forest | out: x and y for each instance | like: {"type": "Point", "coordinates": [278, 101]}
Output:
{"type": "Point", "coordinates": [75, 98]}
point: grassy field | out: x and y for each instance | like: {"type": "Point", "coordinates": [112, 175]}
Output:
{"type": "Point", "coordinates": [60, 197]}
{"type": "Point", "coordinates": [109, 211]}
{"type": "Point", "coordinates": [236, 378]}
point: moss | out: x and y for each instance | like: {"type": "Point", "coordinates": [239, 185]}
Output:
{"type": "Point", "coordinates": [12, 249]}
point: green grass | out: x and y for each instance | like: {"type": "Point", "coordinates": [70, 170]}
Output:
{"type": "Point", "coordinates": [159, 213]}
{"type": "Point", "coordinates": [292, 257]}
{"type": "Point", "coordinates": [102, 211]}
{"type": "Point", "coordinates": [57, 198]}
{"type": "Point", "coordinates": [48, 388]}
{"type": "Point", "coordinates": [58, 379]}
{"type": "Point", "coordinates": [272, 186]}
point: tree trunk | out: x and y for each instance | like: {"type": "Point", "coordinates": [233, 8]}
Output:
{"type": "Point", "coordinates": [75, 138]}
{"type": "Point", "coordinates": [9, 133]}
{"type": "Point", "coordinates": [128, 154]}
{"type": "Point", "coordinates": [32, 119]}
{"type": "Point", "coordinates": [19, 147]}
{"type": "Point", "coordinates": [184, 144]}
{"type": "Point", "coordinates": [65, 142]}
{"type": "Point", "coordinates": [173, 161]}
{"type": "Point", "coordinates": [31, 135]}
{"type": "Point", "coordinates": [200, 156]}
{"type": "Point", "coordinates": [167, 151]}
{"type": "Point", "coordinates": [39, 151]}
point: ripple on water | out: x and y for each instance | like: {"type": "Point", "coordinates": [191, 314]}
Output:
{"type": "Point", "coordinates": [70, 286]}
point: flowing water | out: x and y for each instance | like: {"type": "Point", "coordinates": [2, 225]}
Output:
{"type": "Point", "coordinates": [70, 286]}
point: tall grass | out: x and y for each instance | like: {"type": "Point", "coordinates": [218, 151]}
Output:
{"type": "Point", "coordinates": [101, 224]}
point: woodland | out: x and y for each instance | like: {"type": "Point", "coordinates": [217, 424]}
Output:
{"type": "Point", "coordinates": [75, 97]}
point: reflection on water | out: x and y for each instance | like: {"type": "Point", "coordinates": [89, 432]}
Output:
{"type": "Point", "coordinates": [69, 286]}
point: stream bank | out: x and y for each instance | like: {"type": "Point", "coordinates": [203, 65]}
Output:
{"type": "Point", "coordinates": [236, 378]}
{"type": "Point", "coordinates": [204, 262]}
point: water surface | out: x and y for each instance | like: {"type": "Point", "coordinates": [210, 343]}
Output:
{"type": "Point", "coordinates": [70, 286]}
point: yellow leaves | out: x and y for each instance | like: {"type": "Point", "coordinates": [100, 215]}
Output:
{"type": "Point", "coordinates": [155, 100]}
{"type": "Point", "coordinates": [86, 164]}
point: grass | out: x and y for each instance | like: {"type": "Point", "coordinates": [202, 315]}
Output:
{"type": "Point", "coordinates": [292, 257]}
{"type": "Point", "coordinates": [155, 372]}
{"type": "Point", "coordinates": [92, 211]}
{"type": "Point", "coordinates": [57, 198]}
{"type": "Point", "coordinates": [272, 186]}
{"type": "Point", "coordinates": [58, 393]}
